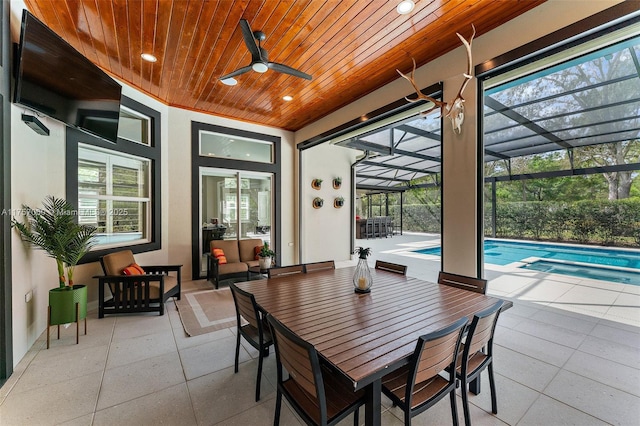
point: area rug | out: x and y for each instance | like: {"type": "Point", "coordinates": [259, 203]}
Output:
{"type": "Point", "coordinates": [206, 311]}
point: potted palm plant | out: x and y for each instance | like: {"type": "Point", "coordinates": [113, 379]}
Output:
{"type": "Point", "coordinates": [54, 230]}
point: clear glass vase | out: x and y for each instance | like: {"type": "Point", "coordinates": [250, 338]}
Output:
{"type": "Point", "coordinates": [362, 277]}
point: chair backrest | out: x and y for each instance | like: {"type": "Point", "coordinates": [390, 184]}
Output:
{"type": "Point", "coordinates": [319, 266]}
{"type": "Point", "coordinates": [230, 248]}
{"type": "Point", "coordinates": [435, 352]}
{"type": "Point", "coordinates": [300, 359]}
{"type": "Point", "coordinates": [481, 330]}
{"type": "Point", "coordinates": [478, 285]}
{"type": "Point", "coordinates": [246, 307]}
{"type": "Point", "coordinates": [391, 267]}
{"type": "Point", "coordinates": [285, 270]}
{"type": "Point", "coordinates": [247, 249]}
{"type": "Point", "coordinates": [114, 263]}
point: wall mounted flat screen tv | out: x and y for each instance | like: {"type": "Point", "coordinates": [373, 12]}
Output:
{"type": "Point", "coordinates": [55, 79]}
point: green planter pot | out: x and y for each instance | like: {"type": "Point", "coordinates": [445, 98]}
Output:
{"type": "Point", "coordinates": [63, 304]}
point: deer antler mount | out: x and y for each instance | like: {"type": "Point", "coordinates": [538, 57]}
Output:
{"type": "Point", "coordinates": [453, 110]}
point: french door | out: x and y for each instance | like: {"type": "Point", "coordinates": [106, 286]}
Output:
{"type": "Point", "coordinates": [234, 205]}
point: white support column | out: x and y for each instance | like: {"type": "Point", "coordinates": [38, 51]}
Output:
{"type": "Point", "coordinates": [460, 226]}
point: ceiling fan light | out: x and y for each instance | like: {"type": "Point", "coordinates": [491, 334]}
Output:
{"type": "Point", "coordinates": [259, 67]}
{"type": "Point", "coordinates": [405, 6]}
{"type": "Point", "coordinates": [229, 81]}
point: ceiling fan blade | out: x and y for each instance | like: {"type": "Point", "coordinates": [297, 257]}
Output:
{"type": "Point", "coordinates": [236, 72]}
{"type": "Point", "coordinates": [288, 70]}
{"type": "Point", "coordinates": [249, 40]}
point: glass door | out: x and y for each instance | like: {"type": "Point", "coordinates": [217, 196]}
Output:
{"type": "Point", "coordinates": [234, 205]}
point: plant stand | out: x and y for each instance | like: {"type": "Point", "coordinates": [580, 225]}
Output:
{"type": "Point", "coordinates": [67, 305]}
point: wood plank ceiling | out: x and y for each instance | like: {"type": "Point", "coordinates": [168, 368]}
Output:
{"type": "Point", "coordinates": [350, 47]}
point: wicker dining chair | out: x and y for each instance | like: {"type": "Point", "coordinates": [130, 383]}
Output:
{"type": "Point", "coordinates": [285, 270]}
{"type": "Point", "coordinates": [417, 386]}
{"type": "Point", "coordinates": [315, 392]}
{"type": "Point", "coordinates": [477, 354]}
{"type": "Point", "coordinates": [478, 285]}
{"type": "Point", "coordinates": [391, 267]}
{"type": "Point", "coordinates": [255, 331]}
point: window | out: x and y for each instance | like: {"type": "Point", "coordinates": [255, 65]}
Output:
{"type": "Point", "coordinates": [117, 187]}
{"type": "Point", "coordinates": [134, 126]}
{"type": "Point", "coordinates": [113, 195]}
{"type": "Point", "coordinates": [234, 147]}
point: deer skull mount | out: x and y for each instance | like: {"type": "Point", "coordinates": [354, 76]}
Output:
{"type": "Point", "coordinates": [453, 110]}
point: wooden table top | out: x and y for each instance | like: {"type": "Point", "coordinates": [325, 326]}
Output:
{"type": "Point", "coordinates": [364, 335]}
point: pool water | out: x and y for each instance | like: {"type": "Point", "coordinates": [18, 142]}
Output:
{"type": "Point", "coordinates": [584, 271]}
{"type": "Point", "coordinates": [506, 252]}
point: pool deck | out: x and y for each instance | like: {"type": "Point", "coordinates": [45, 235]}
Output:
{"type": "Point", "coordinates": [597, 299]}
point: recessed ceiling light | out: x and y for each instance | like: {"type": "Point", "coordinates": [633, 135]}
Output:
{"type": "Point", "coordinates": [229, 81]}
{"type": "Point", "coordinates": [149, 57]}
{"type": "Point", "coordinates": [405, 6]}
{"type": "Point", "coordinates": [287, 98]}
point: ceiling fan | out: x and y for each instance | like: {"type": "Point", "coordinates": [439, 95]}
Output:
{"type": "Point", "coordinates": [259, 57]}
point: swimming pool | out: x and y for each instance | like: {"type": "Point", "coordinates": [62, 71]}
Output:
{"type": "Point", "coordinates": [500, 252]}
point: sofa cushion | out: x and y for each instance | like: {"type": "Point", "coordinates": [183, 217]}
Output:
{"type": "Point", "coordinates": [251, 263]}
{"type": "Point", "coordinates": [256, 252]}
{"type": "Point", "coordinates": [232, 268]}
{"type": "Point", "coordinates": [247, 247]}
{"type": "Point", "coordinates": [230, 248]}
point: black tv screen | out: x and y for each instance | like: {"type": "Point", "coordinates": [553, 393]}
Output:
{"type": "Point", "coordinates": [55, 79]}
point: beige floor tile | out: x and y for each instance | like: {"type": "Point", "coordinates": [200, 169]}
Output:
{"type": "Point", "coordinates": [589, 299]}
{"type": "Point", "coordinates": [523, 369]}
{"type": "Point", "coordinates": [514, 399]}
{"type": "Point", "coordinates": [211, 356]}
{"type": "Point", "coordinates": [132, 326]}
{"type": "Point", "coordinates": [552, 333]}
{"type": "Point", "coordinates": [578, 323]}
{"type": "Point", "coordinates": [184, 341]}
{"type": "Point", "coordinates": [601, 401]}
{"type": "Point", "coordinates": [140, 378]}
{"type": "Point", "coordinates": [263, 414]}
{"type": "Point", "coordinates": [170, 406]}
{"type": "Point", "coordinates": [542, 291]}
{"type": "Point", "coordinates": [540, 349]}
{"type": "Point", "coordinates": [625, 308]}
{"type": "Point", "coordinates": [135, 349]}
{"type": "Point", "coordinates": [547, 411]}
{"type": "Point", "coordinates": [79, 421]}
{"type": "Point", "coordinates": [605, 371]}
{"type": "Point", "coordinates": [52, 404]}
{"type": "Point", "coordinates": [222, 395]}
{"type": "Point", "coordinates": [618, 334]}
{"type": "Point", "coordinates": [50, 367]}
{"type": "Point", "coordinates": [617, 352]}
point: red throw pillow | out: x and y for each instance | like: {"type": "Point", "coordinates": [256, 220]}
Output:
{"type": "Point", "coordinates": [256, 252]}
{"type": "Point", "coordinates": [133, 269]}
{"type": "Point", "coordinates": [219, 254]}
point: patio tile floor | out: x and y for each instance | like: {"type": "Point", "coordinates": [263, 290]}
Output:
{"type": "Point", "coordinates": [568, 352]}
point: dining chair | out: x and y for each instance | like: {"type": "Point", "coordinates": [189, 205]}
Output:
{"type": "Point", "coordinates": [477, 354]}
{"type": "Point", "coordinates": [368, 228]}
{"type": "Point", "coordinates": [255, 331]}
{"type": "Point", "coordinates": [418, 385]}
{"type": "Point", "coordinates": [315, 392]}
{"type": "Point", "coordinates": [391, 267]}
{"type": "Point", "coordinates": [319, 266]}
{"type": "Point", "coordinates": [285, 270]}
{"type": "Point", "coordinates": [478, 285]}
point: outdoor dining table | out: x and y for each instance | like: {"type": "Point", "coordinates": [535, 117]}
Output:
{"type": "Point", "coordinates": [363, 336]}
